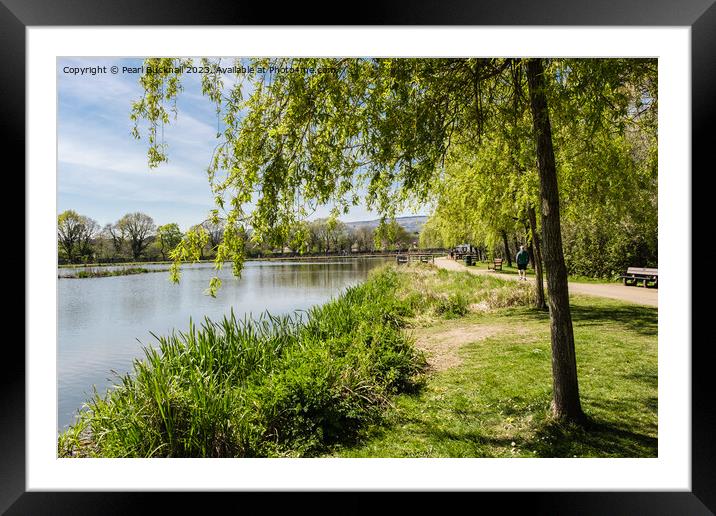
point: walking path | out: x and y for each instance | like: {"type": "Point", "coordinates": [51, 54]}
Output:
{"type": "Point", "coordinates": [638, 295]}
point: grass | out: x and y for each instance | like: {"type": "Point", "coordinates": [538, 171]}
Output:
{"type": "Point", "coordinates": [496, 402]}
{"type": "Point", "coordinates": [93, 273]}
{"type": "Point", "coordinates": [434, 294]}
{"type": "Point", "coordinates": [575, 278]}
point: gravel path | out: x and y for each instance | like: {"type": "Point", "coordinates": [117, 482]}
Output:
{"type": "Point", "coordinates": [637, 295]}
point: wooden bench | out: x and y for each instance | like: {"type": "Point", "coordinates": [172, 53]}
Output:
{"type": "Point", "coordinates": [649, 276]}
{"type": "Point", "coordinates": [496, 265]}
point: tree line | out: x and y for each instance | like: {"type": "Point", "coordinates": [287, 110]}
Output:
{"type": "Point", "coordinates": [136, 237]}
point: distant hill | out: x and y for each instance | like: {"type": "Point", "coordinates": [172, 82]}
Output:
{"type": "Point", "coordinates": [411, 224]}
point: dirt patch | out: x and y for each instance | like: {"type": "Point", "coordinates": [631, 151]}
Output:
{"type": "Point", "coordinates": [442, 347]}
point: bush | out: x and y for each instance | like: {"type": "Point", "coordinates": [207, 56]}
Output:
{"type": "Point", "coordinates": [453, 306]}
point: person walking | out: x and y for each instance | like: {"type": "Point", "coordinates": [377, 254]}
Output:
{"type": "Point", "coordinates": [522, 259]}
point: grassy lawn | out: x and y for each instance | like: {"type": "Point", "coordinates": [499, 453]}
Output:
{"type": "Point", "coordinates": [493, 401]}
{"type": "Point", "coordinates": [530, 273]}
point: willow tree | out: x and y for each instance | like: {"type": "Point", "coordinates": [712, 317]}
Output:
{"type": "Point", "coordinates": [331, 131]}
{"type": "Point", "coordinates": [483, 197]}
{"type": "Point", "coordinates": [608, 165]}
{"type": "Point", "coordinates": [168, 237]}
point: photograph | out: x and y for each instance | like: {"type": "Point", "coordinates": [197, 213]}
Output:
{"type": "Point", "coordinates": [416, 253]}
{"type": "Point", "coordinates": [357, 257]}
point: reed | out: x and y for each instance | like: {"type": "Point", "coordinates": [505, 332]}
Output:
{"type": "Point", "coordinates": [96, 273]}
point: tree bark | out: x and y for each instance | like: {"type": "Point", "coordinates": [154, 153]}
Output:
{"type": "Point", "coordinates": [565, 405]}
{"type": "Point", "coordinates": [508, 257]}
{"type": "Point", "coordinates": [536, 246]}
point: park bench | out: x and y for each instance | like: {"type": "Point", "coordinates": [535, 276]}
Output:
{"type": "Point", "coordinates": [644, 274]}
{"type": "Point", "coordinates": [496, 265]}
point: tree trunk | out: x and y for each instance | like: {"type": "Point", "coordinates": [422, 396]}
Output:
{"type": "Point", "coordinates": [508, 257]}
{"type": "Point", "coordinates": [68, 252]}
{"type": "Point", "coordinates": [565, 405]}
{"type": "Point", "coordinates": [536, 259]}
{"type": "Point", "coordinates": [530, 247]}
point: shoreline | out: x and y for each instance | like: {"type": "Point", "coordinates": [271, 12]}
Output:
{"type": "Point", "coordinates": [261, 259]}
{"type": "Point", "coordinates": [109, 274]}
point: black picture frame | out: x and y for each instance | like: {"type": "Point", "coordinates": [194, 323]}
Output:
{"type": "Point", "coordinates": [700, 15]}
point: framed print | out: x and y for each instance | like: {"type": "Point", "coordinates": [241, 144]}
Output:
{"type": "Point", "coordinates": [77, 76]}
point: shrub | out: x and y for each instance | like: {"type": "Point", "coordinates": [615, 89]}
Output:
{"type": "Point", "coordinates": [452, 306]}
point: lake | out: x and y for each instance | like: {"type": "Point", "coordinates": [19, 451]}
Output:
{"type": "Point", "coordinates": [103, 323]}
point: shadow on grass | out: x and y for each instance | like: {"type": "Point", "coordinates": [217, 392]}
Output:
{"type": "Point", "coordinates": [440, 437]}
{"type": "Point", "coordinates": [551, 440]}
{"type": "Point", "coordinates": [627, 408]}
{"type": "Point", "coordinates": [595, 438]}
{"type": "Point", "coordinates": [650, 379]}
{"type": "Point", "coordinates": [640, 319]}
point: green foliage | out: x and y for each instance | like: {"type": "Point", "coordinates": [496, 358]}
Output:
{"type": "Point", "coordinates": [391, 235]}
{"type": "Point", "coordinates": [600, 246]}
{"type": "Point", "coordinates": [364, 239]}
{"type": "Point", "coordinates": [453, 306]}
{"type": "Point", "coordinates": [191, 250]}
{"type": "Point", "coordinates": [168, 237]}
{"type": "Point", "coordinates": [323, 235]}
{"type": "Point", "coordinates": [606, 136]}
{"type": "Point", "coordinates": [75, 234]}
{"type": "Point", "coordinates": [430, 235]}
{"type": "Point", "coordinates": [604, 127]}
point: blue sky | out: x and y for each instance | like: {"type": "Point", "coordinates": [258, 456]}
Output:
{"type": "Point", "coordinates": [102, 169]}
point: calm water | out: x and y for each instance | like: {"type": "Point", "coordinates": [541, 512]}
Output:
{"type": "Point", "coordinates": [104, 322]}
